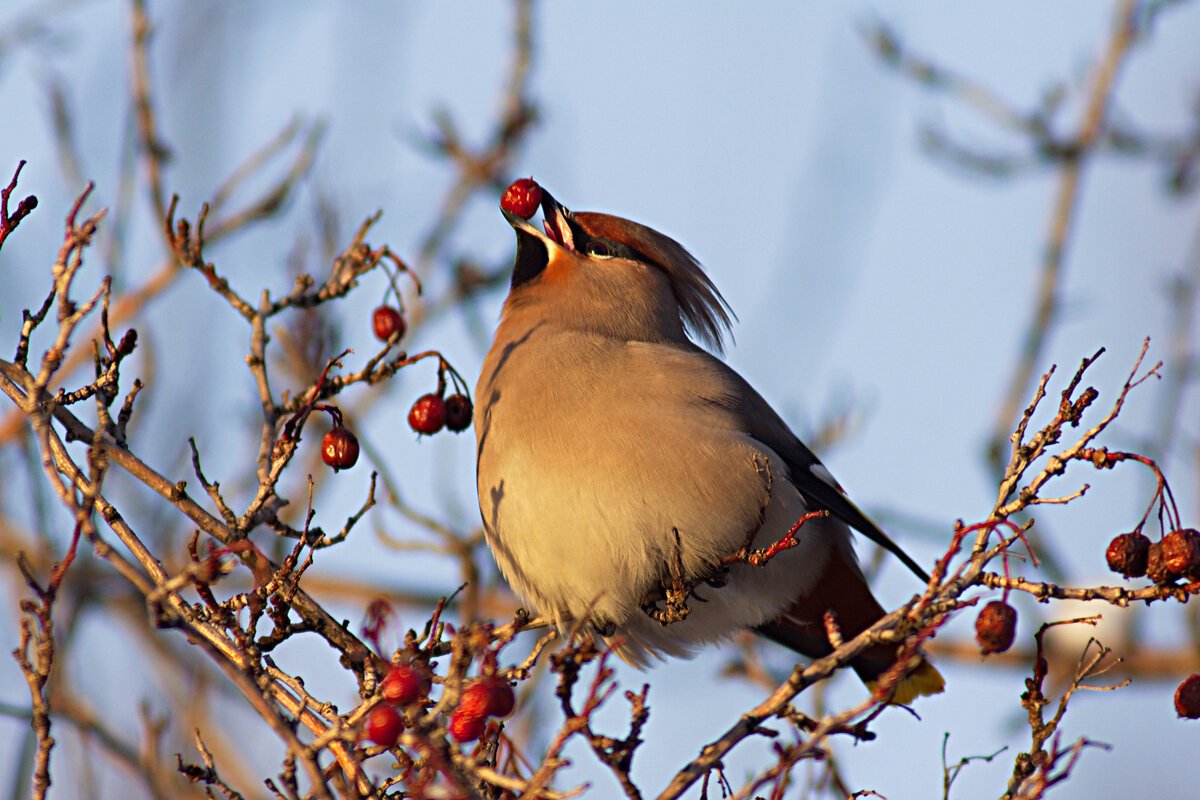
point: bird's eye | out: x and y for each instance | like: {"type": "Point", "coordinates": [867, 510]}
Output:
{"type": "Point", "coordinates": [595, 247]}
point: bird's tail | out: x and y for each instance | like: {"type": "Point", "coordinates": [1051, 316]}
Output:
{"type": "Point", "coordinates": [843, 590]}
{"type": "Point", "coordinates": [924, 680]}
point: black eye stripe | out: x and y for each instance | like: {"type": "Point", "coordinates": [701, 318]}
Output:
{"type": "Point", "coordinates": [599, 246]}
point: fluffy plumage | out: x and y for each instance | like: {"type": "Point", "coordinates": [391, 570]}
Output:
{"type": "Point", "coordinates": [610, 446]}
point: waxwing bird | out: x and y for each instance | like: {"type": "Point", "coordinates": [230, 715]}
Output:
{"type": "Point", "coordinates": [616, 457]}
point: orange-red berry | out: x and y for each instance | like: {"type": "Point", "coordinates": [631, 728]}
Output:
{"type": "Point", "coordinates": [428, 414]}
{"type": "Point", "coordinates": [339, 448]}
{"type": "Point", "coordinates": [384, 725]}
{"type": "Point", "coordinates": [404, 684]}
{"type": "Point", "coordinates": [522, 197]}
{"type": "Point", "coordinates": [474, 701]}
{"type": "Point", "coordinates": [501, 699]}
{"type": "Point", "coordinates": [466, 728]}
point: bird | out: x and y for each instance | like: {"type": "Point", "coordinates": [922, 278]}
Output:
{"type": "Point", "coordinates": [618, 457]}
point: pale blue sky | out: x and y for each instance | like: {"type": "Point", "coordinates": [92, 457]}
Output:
{"type": "Point", "coordinates": [772, 144]}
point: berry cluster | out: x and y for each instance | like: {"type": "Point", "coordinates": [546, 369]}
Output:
{"type": "Point", "coordinates": [435, 411]}
{"type": "Point", "coordinates": [489, 696]}
{"type": "Point", "coordinates": [1176, 556]}
{"type": "Point", "coordinates": [402, 686]}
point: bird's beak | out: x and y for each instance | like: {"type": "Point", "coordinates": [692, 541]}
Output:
{"type": "Point", "coordinates": [534, 246]}
{"type": "Point", "coordinates": [555, 223]}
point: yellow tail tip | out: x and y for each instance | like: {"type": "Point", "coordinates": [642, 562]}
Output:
{"type": "Point", "coordinates": [924, 680]}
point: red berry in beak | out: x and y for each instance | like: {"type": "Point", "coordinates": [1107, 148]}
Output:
{"type": "Point", "coordinates": [522, 197]}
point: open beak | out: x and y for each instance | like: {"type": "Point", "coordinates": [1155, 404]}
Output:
{"type": "Point", "coordinates": [533, 250]}
{"type": "Point", "coordinates": [555, 223]}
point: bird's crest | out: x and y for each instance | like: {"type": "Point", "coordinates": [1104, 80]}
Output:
{"type": "Point", "coordinates": [705, 313]}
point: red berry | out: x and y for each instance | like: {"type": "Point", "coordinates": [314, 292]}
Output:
{"type": "Point", "coordinates": [428, 414]}
{"type": "Point", "coordinates": [384, 725]}
{"type": "Point", "coordinates": [501, 700]}
{"type": "Point", "coordinates": [996, 627]}
{"type": "Point", "coordinates": [475, 701]}
{"type": "Point", "coordinates": [465, 728]}
{"type": "Point", "coordinates": [1187, 698]}
{"type": "Point", "coordinates": [458, 412]}
{"type": "Point", "coordinates": [404, 684]}
{"type": "Point", "coordinates": [388, 322]}
{"type": "Point", "coordinates": [339, 448]}
{"type": "Point", "coordinates": [1127, 554]}
{"type": "Point", "coordinates": [522, 197]}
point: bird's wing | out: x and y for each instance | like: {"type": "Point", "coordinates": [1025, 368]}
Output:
{"type": "Point", "coordinates": [809, 475]}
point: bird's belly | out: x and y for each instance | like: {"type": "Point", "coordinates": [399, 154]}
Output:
{"type": "Point", "coordinates": [587, 532]}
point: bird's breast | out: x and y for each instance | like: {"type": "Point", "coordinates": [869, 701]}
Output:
{"type": "Point", "coordinates": [600, 468]}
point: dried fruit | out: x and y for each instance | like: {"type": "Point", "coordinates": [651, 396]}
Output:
{"type": "Point", "coordinates": [1181, 552]}
{"type": "Point", "coordinates": [339, 448]}
{"type": "Point", "coordinates": [384, 725]}
{"type": "Point", "coordinates": [1187, 698]}
{"type": "Point", "coordinates": [522, 197]}
{"type": "Point", "coordinates": [428, 414]}
{"type": "Point", "coordinates": [404, 684]}
{"type": "Point", "coordinates": [388, 322]}
{"type": "Point", "coordinates": [1156, 565]}
{"type": "Point", "coordinates": [996, 627]}
{"type": "Point", "coordinates": [458, 412]}
{"type": "Point", "coordinates": [466, 728]}
{"type": "Point", "coordinates": [1127, 554]}
{"type": "Point", "coordinates": [501, 700]}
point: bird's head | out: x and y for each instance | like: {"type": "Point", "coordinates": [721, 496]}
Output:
{"type": "Point", "coordinates": [602, 273]}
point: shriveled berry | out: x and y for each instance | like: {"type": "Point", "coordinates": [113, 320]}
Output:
{"type": "Point", "coordinates": [1187, 698]}
{"type": "Point", "coordinates": [388, 322]}
{"type": "Point", "coordinates": [384, 725]}
{"type": "Point", "coordinates": [466, 728]}
{"type": "Point", "coordinates": [1181, 552]}
{"type": "Point", "coordinates": [404, 684]}
{"type": "Point", "coordinates": [996, 627]}
{"type": "Point", "coordinates": [428, 414]}
{"type": "Point", "coordinates": [339, 448]}
{"type": "Point", "coordinates": [1127, 554]}
{"type": "Point", "coordinates": [458, 412]}
{"type": "Point", "coordinates": [522, 197]}
{"type": "Point", "coordinates": [1156, 565]}
{"type": "Point", "coordinates": [501, 699]}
